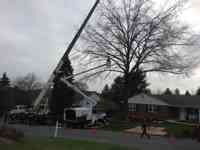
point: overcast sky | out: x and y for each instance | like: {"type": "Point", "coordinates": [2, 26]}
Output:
{"type": "Point", "coordinates": [35, 33]}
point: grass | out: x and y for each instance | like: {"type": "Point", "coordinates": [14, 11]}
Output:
{"type": "Point", "coordinates": [117, 125]}
{"type": "Point", "coordinates": [59, 144]}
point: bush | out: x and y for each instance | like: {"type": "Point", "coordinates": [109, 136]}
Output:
{"type": "Point", "coordinates": [187, 132]}
{"type": "Point", "coordinates": [11, 133]}
{"type": "Point", "coordinates": [179, 131]}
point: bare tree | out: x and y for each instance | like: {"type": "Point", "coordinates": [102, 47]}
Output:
{"type": "Point", "coordinates": [28, 82]}
{"type": "Point", "coordinates": [134, 35]}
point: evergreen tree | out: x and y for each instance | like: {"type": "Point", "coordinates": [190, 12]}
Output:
{"type": "Point", "coordinates": [5, 93]}
{"type": "Point", "coordinates": [177, 91]}
{"type": "Point", "coordinates": [198, 91]}
{"type": "Point", "coordinates": [62, 95]}
{"type": "Point", "coordinates": [29, 82]}
{"type": "Point", "coordinates": [187, 93]}
{"type": "Point", "coordinates": [167, 92]}
{"type": "Point", "coordinates": [148, 91]}
{"type": "Point", "coordinates": [116, 93]}
{"type": "Point", "coordinates": [105, 92]}
{"type": "Point", "coordinates": [136, 84]}
{"type": "Point", "coordinates": [4, 81]}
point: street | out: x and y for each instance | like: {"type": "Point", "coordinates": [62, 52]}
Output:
{"type": "Point", "coordinates": [125, 139]}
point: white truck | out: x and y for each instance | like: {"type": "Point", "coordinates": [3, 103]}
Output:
{"type": "Point", "coordinates": [18, 109]}
{"type": "Point", "coordinates": [19, 114]}
{"type": "Point", "coordinates": [82, 117]}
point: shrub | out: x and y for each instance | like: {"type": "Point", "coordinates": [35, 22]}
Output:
{"type": "Point", "coordinates": [11, 133]}
{"type": "Point", "coordinates": [180, 131]}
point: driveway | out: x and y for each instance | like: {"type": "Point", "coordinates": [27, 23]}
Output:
{"type": "Point", "coordinates": [125, 139]}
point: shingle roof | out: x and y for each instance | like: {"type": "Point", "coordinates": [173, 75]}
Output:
{"type": "Point", "coordinates": [146, 99]}
{"type": "Point", "coordinates": [180, 100]}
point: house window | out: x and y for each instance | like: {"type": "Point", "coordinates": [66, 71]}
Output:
{"type": "Point", "coordinates": [132, 107]}
{"type": "Point", "coordinates": [151, 108]}
{"type": "Point", "coordinates": [192, 114]}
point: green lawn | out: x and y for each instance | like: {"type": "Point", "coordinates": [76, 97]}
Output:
{"type": "Point", "coordinates": [59, 144]}
{"type": "Point", "coordinates": [116, 125]}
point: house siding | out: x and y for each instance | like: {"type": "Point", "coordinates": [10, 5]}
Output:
{"type": "Point", "coordinates": [165, 108]}
{"type": "Point", "coordinates": [141, 108]}
{"type": "Point", "coordinates": [161, 112]}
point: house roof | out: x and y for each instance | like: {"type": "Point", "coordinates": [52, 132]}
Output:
{"type": "Point", "coordinates": [167, 100]}
{"type": "Point", "coordinates": [145, 99]}
{"type": "Point", "coordinates": [180, 100]}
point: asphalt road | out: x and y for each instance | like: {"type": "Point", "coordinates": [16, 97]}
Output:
{"type": "Point", "coordinates": [125, 139]}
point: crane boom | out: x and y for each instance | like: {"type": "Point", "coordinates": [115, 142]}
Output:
{"type": "Point", "coordinates": [68, 50]}
{"type": "Point", "coordinates": [89, 100]}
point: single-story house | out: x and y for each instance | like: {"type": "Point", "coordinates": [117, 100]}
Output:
{"type": "Point", "coordinates": [179, 107]}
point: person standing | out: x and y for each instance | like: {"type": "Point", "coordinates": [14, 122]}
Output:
{"type": "Point", "coordinates": [144, 129]}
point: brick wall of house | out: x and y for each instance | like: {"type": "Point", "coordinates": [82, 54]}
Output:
{"type": "Point", "coordinates": [160, 113]}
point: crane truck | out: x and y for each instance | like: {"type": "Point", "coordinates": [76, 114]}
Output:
{"type": "Point", "coordinates": [80, 115]}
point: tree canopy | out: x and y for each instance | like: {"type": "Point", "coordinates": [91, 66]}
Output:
{"type": "Point", "coordinates": [187, 93]}
{"type": "Point", "coordinates": [29, 82]}
{"type": "Point", "coordinates": [198, 91]}
{"type": "Point", "coordinates": [135, 35]}
{"type": "Point", "coordinates": [177, 91]}
{"type": "Point", "coordinates": [5, 93]}
{"type": "Point", "coordinates": [4, 80]}
{"type": "Point", "coordinates": [167, 92]}
{"type": "Point", "coordinates": [136, 84]}
{"type": "Point", "coordinates": [62, 95]}
{"type": "Point", "coordinates": [105, 92]}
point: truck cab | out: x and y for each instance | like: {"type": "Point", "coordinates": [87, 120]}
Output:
{"type": "Point", "coordinates": [78, 116]}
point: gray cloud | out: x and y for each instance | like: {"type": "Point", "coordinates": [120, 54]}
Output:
{"type": "Point", "coordinates": [35, 33]}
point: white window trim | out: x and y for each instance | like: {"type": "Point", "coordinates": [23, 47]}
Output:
{"type": "Point", "coordinates": [151, 108]}
{"type": "Point", "coordinates": [132, 107]}
{"type": "Point", "coordinates": [192, 115]}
